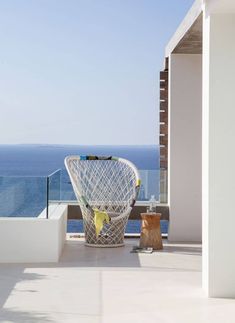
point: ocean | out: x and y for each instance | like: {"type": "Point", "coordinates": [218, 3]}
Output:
{"type": "Point", "coordinates": [23, 169]}
{"type": "Point", "coordinates": [41, 160]}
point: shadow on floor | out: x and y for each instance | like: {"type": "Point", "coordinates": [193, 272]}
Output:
{"type": "Point", "coordinates": [11, 315]}
{"type": "Point", "coordinates": [75, 253]}
{"type": "Point", "coordinates": [10, 276]}
{"type": "Point", "coordinates": [184, 250]}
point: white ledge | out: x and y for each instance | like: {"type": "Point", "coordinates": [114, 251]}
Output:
{"type": "Point", "coordinates": [25, 240]}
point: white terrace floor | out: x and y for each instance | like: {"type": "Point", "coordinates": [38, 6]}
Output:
{"type": "Point", "coordinates": [111, 286]}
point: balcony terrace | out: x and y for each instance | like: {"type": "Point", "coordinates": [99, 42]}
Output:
{"type": "Point", "coordinates": [110, 285]}
{"type": "Point", "coordinates": [47, 275]}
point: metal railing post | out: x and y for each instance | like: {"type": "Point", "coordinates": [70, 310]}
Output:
{"type": "Point", "coordinates": [47, 209]}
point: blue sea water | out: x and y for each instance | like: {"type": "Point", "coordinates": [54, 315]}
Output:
{"type": "Point", "coordinates": [42, 160]}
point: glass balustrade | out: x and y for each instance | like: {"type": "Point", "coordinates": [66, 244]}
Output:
{"type": "Point", "coordinates": [39, 196]}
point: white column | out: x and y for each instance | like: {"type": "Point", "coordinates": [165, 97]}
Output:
{"type": "Point", "coordinates": [219, 154]}
{"type": "Point", "coordinates": [185, 122]}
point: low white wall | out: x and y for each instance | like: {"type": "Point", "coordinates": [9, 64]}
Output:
{"type": "Point", "coordinates": [185, 147]}
{"type": "Point", "coordinates": [33, 239]}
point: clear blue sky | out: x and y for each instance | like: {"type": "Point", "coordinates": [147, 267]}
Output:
{"type": "Point", "coordinates": [83, 71]}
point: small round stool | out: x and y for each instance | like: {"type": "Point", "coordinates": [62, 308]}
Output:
{"type": "Point", "coordinates": [151, 231]}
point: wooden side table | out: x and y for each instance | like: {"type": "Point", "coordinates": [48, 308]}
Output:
{"type": "Point", "coordinates": [151, 231]}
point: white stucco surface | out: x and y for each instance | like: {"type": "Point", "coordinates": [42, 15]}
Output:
{"type": "Point", "coordinates": [219, 155]}
{"type": "Point", "coordinates": [219, 6]}
{"type": "Point", "coordinates": [185, 118]}
{"type": "Point", "coordinates": [33, 239]}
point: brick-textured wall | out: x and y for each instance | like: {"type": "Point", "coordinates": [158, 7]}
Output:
{"type": "Point", "coordinates": [163, 132]}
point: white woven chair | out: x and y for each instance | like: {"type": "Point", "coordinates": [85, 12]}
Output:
{"type": "Point", "coordinates": [108, 184]}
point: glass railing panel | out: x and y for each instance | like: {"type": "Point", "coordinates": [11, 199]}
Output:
{"type": "Point", "coordinates": [163, 186]}
{"type": "Point", "coordinates": [22, 196]}
{"type": "Point", "coordinates": [53, 191]}
{"type": "Point", "coordinates": [150, 180]}
{"type": "Point", "coordinates": [39, 196]}
{"type": "Point", "coordinates": [67, 193]}
{"type": "Point", "coordinates": [150, 185]}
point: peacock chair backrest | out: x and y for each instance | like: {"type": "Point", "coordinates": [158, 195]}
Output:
{"type": "Point", "coordinates": [109, 184]}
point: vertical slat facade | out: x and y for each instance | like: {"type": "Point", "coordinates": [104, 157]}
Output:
{"type": "Point", "coordinates": [163, 132]}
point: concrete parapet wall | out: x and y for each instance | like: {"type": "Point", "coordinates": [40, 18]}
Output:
{"type": "Point", "coordinates": [33, 239]}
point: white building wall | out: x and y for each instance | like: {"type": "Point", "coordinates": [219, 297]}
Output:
{"type": "Point", "coordinates": [219, 154]}
{"type": "Point", "coordinates": [185, 128]}
{"type": "Point", "coordinates": [33, 239]}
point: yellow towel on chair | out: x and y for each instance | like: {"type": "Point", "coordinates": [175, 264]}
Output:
{"type": "Point", "coordinates": [99, 219]}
